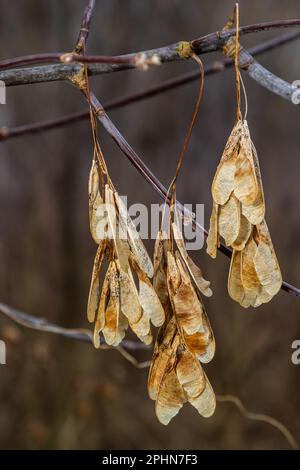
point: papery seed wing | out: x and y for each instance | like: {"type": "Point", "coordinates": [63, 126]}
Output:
{"type": "Point", "coordinates": [196, 343]}
{"type": "Point", "coordinates": [202, 345]}
{"type": "Point", "coordinates": [190, 375]}
{"type": "Point", "coordinates": [173, 274]}
{"type": "Point", "coordinates": [263, 237]}
{"type": "Point", "coordinates": [223, 183]}
{"type": "Point", "coordinates": [255, 212]}
{"type": "Point", "coordinates": [233, 139]}
{"type": "Point", "coordinates": [122, 327]}
{"type": "Point", "coordinates": [111, 322]}
{"type": "Point", "coordinates": [111, 212]}
{"type": "Point", "coordinates": [235, 286]}
{"type": "Point", "coordinates": [166, 244]}
{"type": "Point", "coordinates": [151, 304]}
{"type": "Point", "coordinates": [148, 298]}
{"type": "Point", "coordinates": [170, 398]}
{"type": "Point", "coordinates": [188, 309]}
{"type": "Point", "coordinates": [250, 279]}
{"type": "Point", "coordinates": [164, 356]}
{"type": "Point", "coordinates": [267, 269]}
{"type": "Point", "coordinates": [210, 348]}
{"type": "Point", "coordinates": [96, 205]}
{"type": "Point", "coordinates": [161, 287]}
{"type": "Point", "coordinates": [123, 253]}
{"type": "Point", "coordinates": [104, 298]}
{"type": "Point", "coordinates": [158, 252]}
{"type": "Point", "coordinates": [262, 297]}
{"type": "Point", "coordinates": [245, 180]}
{"type": "Point", "coordinates": [142, 328]}
{"type": "Point", "coordinates": [94, 294]}
{"type": "Point", "coordinates": [115, 232]}
{"type": "Point", "coordinates": [130, 304]}
{"type": "Point", "coordinates": [205, 403]}
{"type": "Point", "coordinates": [229, 220]}
{"type": "Point", "coordinates": [244, 233]}
{"type": "Point", "coordinates": [93, 184]}
{"type": "Point", "coordinates": [111, 326]}
{"type": "Point", "coordinates": [157, 371]}
{"type": "Point", "coordinates": [195, 272]}
{"type": "Point", "coordinates": [134, 239]}
{"type": "Point", "coordinates": [159, 277]}
{"type": "Point", "coordinates": [212, 238]}
{"type": "Point", "coordinates": [147, 339]}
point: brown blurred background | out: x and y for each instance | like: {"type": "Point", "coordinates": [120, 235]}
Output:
{"type": "Point", "coordinates": [58, 393]}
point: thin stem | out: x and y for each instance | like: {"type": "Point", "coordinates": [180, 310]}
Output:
{"type": "Point", "coordinates": [67, 58]}
{"type": "Point", "coordinates": [260, 417]}
{"type": "Point", "coordinates": [236, 64]}
{"type": "Point", "coordinates": [192, 124]}
{"type": "Point", "coordinates": [85, 26]}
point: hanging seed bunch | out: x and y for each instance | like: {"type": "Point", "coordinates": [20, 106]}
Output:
{"type": "Point", "coordinates": [185, 341]}
{"type": "Point", "coordinates": [238, 216]}
{"type": "Point", "coordinates": [126, 297]}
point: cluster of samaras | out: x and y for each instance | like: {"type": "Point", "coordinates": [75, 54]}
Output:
{"type": "Point", "coordinates": [127, 298]}
{"type": "Point", "coordinates": [117, 303]}
{"type": "Point", "coordinates": [186, 339]}
{"type": "Point", "coordinates": [238, 216]}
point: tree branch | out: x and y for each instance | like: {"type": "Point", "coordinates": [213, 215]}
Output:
{"type": "Point", "coordinates": [178, 51]}
{"type": "Point", "coordinates": [41, 324]}
{"type": "Point", "coordinates": [212, 68]}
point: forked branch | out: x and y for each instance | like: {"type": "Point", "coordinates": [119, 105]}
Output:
{"type": "Point", "coordinates": [166, 85]}
{"type": "Point", "coordinates": [178, 51]}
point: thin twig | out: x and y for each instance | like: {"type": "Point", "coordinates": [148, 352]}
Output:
{"type": "Point", "coordinates": [85, 26]}
{"type": "Point", "coordinates": [260, 417]}
{"type": "Point", "coordinates": [75, 56]}
{"type": "Point", "coordinates": [178, 51]}
{"type": "Point", "coordinates": [166, 85]}
{"type": "Point", "coordinates": [79, 334]}
{"type": "Point", "coordinates": [71, 57]}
